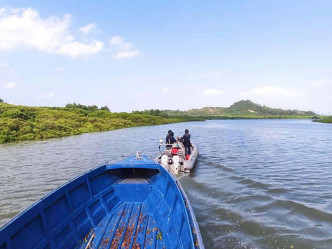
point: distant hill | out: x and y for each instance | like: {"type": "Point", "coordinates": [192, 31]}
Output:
{"type": "Point", "coordinates": [243, 108]}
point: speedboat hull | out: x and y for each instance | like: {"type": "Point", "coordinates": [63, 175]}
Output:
{"type": "Point", "coordinates": [190, 162]}
{"type": "Point", "coordinates": [134, 203]}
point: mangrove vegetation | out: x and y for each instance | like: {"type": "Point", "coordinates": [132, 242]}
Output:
{"type": "Point", "coordinates": [18, 123]}
{"type": "Point", "coordinates": [324, 119]}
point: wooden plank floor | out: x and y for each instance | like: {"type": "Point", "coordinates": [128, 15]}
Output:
{"type": "Point", "coordinates": [128, 226]}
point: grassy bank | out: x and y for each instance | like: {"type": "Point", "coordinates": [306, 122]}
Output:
{"type": "Point", "coordinates": [326, 119]}
{"type": "Point", "coordinates": [221, 117]}
{"type": "Point", "coordinates": [18, 123]}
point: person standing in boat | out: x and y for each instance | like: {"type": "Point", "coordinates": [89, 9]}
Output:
{"type": "Point", "coordinates": [170, 139]}
{"type": "Point", "coordinates": [186, 142]}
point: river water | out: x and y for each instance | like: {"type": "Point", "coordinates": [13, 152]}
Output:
{"type": "Point", "coordinates": [256, 184]}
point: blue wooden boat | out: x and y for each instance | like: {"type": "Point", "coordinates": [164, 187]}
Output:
{"type": "Point", "coordinates": [135, 203]}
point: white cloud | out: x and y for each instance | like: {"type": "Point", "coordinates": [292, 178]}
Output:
{"type": "Point", "coordinates": [24, 27]}
{"type": "Point", "coordinates": [321, 83]}
{"type": "Point", "coordinates": [165, 89]}
{"type": "Point", "coordinates": [123, 49]}
{"type": "Point", "coordinates": [75, 49]}
{"type": "Point", "coordinates": [87, 29]}
{"type": "Point", "coordinates": [213, 92]}
{"type": "Point", "coordinates": [9, 85]}
{"type": "Point", "coordinates": [47, 96]}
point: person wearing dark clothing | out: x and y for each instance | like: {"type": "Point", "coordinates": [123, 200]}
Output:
{"type": "Point", "coordinates": [170, 139]}
{"type": "Point", "coordinates": [186, 142]}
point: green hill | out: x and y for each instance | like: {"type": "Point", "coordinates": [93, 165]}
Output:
{"type": "Point", "coordinates": [241, 109]}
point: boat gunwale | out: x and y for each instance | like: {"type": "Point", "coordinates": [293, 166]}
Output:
{"type": "Point", "coordinates": [14, 225]}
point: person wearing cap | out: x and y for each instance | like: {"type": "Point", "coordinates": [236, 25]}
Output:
{"type": "Point", "coordinates": [186, 142]}
{"type": "Point", "coordinates": [170, 139]}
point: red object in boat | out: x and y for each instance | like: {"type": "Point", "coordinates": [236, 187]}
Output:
{"type": "Point", "coordinates": [175, 151]}
{"type": "Point", "coordinates": [187, 157]}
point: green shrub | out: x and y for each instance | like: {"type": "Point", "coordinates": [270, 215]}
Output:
{"type": "Point", "coordinates": [29, 123]}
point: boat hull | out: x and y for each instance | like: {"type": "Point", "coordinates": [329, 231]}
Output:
{"type": "Point", "coordinates": [189, 164]}
{"type": "Point", "coordinates": [178, 162]}
{"type": "Point", "coordinates": [135, 203]}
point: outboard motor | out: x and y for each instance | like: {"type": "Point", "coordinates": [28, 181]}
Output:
{"type": "Point", "coordinates": [164, 160]}
{"type": "Point", "coordinates": [176, 165]}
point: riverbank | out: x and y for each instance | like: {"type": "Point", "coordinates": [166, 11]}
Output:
{"type": "Point", "coordinates": [222, 117]}
{"type": "Point", "coordinates": [20, 123]}
{"type": "Point", "coordinates": [326, 119]}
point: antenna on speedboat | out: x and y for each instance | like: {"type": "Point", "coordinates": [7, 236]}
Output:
{"type": "Point", "coordinates": [161, 141]}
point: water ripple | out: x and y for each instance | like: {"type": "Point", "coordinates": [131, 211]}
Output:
{"type": "Point", "coordinates": [257, 183]}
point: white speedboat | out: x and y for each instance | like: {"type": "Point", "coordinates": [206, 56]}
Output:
{"type": "Point", "coordinates": [174, 158]}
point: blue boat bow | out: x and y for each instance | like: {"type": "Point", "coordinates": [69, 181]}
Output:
{"type": "Point", "coordinates": [135, 203]}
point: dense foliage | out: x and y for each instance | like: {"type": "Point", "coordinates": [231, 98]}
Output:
{"type": "Point", "coordinates": [29, 123]}
{"type": "Point", "coordinates": [153, 112]}
{"type": "Point", "coordinates": [87, 107]}
{"type": "Point", "coordinates": [326, 119]}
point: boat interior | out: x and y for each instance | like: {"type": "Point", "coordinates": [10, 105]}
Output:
{"type": "Point", "coordinates": [109, 207]}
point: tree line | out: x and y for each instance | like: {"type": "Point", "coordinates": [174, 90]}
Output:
{"type": "Point", "coordinates": [18, 123]}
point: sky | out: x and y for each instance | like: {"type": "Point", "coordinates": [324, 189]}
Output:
{"type": "Point", "coordinates": [136, 55]}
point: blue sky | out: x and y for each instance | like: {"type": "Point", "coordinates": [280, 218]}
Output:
{"type": "Point", "coordinates": [135, 55]}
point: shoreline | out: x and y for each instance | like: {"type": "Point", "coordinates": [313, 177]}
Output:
{"type": "Point", "coordinates": [325, 120]}
{"type": "Point", "coordinates": [145, 125]}
{"type": "Point", "coordinates": [24, 123]}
